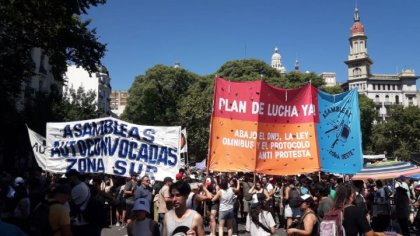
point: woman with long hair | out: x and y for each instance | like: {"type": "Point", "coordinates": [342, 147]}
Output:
{"type": "Point", "coordinates": [354, 219]}
{"type": "Point", "coordinates": [226, 195]}
{"type": "Point", "coordinates": [260, 221]}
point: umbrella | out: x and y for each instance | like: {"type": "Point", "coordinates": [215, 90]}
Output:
{"type": "Point", "coordinates": [414, 177]}
{"type": "Point", "coordinates": [386, 170]}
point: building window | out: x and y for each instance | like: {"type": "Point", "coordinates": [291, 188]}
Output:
{"type": "Point", "coordinates": [410, 101]}
{"type": "Point", "coordinates": [389, 87]}
{"type": "Point", "coordinates": [377, 98]}
{"type": "Point", "coordinates": [387, 98]}
{"type": "Point", "coordinates": [397, 99]}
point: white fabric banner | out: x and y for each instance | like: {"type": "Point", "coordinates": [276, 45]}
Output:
{"type": "Point", "coordinates": [111, 146]}
{"type": "Point", "coordinates": [39, 148]}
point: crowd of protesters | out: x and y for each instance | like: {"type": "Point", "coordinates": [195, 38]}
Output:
{"type": "Point", "coordinates": [195, 199]}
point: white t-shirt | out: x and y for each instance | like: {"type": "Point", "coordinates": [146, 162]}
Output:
{"type": "Point", "coordinates": [265, 218]}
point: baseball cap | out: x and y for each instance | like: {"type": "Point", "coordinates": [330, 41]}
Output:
{"type": "Point", "coordinates": [141, 204]}
{"type": "Point", "coordinates": [193, 186]}
{"type": "Point", "coordinates": [307, 198]}
{"type": "Point", "coordinates": [19, 181]}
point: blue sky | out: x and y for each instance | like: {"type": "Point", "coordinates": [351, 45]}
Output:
{"type": "Point", "coordinates": [204, 34]}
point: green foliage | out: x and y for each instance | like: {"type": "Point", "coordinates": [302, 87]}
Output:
{"type": "Point", "coordinates": [194, 112]}
{"type": "Point", "coordinates": [400, 134]}
{"type": "Point", "coordinates": [77, 105]}
{"type": "Point", "coordinates": [367, 117]}
{"type": "Point", "coordinates": [155, 97]}
{"type": "Point", "coordinates": [53, 26]}
{"type": "Point", "coordinates": [332, 89]}
{"type": "Point", "coordinates": [247, 70]}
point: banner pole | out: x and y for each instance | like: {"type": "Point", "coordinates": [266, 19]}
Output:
{"type": "Point", "coordinates": [210, 126]}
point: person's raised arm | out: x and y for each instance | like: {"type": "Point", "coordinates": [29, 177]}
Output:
{"type": "Point", "coordinates": [217, 196]}
{"type": "Point", "coordinates": [238, 187]}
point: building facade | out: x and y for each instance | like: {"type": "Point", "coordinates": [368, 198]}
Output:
{"type": "Point", "coordinates": [384, 89]}
{"type": "Point", "coordinates": [99, 83]}
{"type": "Point", "coordinates": [42, 81]}
{"type": "Point", "coordinates": [118, 101]}
{"type": "Point", "coordinates": [330, 78]}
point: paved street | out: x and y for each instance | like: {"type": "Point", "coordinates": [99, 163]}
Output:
{"type": "Point", "coordinates": [118, 231]}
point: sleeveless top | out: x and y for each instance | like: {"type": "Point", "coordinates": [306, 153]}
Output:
{"type": "Point", "coordinates": [255, 196]}
{"type": "Point", "coordinates": [173, 226]}
{"type": "Point", "coordinates": [190, 201]}
{"type": "Point", "coordinates": [142, 227]}
{"type": "Point", "coordinates": [301, 224]}
{"type": "Point", "coordinates": [226, 199]}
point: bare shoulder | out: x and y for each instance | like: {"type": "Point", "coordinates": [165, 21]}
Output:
{"type": "Point", "coordinates": [197, 219]}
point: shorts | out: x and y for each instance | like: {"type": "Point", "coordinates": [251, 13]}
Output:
{"type": "Point", "coordinates": [214, 207]}
{"type": "Point", "coordinates": [226, 215]}
{"type": "Point", "coordinates": [292, 212]}
{"type": "Point", "coordinates": [129, 204]}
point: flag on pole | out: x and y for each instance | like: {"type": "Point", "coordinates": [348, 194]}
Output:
{"type": "Point", "coordinates": [39, 148]}
{"type": "Point", "coordinates": [184, 143]}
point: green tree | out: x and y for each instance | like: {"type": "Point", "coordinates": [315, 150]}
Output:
{"type": "Point", "coordinates": [332, 89]}
{"type": "Point", "coordinates": [400, 134]}
{"type": "Point", "coordinates": [155, 97]}
{"type": "Point", "coordinates": [247, 70]}
{"type": "Point", "coordinates": [53, 26]}
{"type": "Point", "coordinates": [56, 28]}
{"type": "Point", "coordinates": [77, 105]}
{"type": "Point", "coordinates": [367, 116]}
{"type": "Point", "coordinates": [195, 112]}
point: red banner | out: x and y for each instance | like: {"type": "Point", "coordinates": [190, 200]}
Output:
{"type": "Point", "coordinates": [258, 127]}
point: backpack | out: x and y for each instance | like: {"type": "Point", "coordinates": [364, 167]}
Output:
{"type": "Point", "coordinates": [294, 198]}
{"type": "Point", "coordinates": [332, 223]}
{"type": "Point", "coordinates": [39, 219]}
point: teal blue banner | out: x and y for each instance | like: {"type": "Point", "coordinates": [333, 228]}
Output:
{"type": "Point", "coordinates": [339, 133]}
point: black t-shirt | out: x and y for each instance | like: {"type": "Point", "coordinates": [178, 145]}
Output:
{"type": "Point", "coordinates": [355, 221]}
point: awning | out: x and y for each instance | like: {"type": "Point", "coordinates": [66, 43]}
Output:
{"type": "Point", "coordinates": [386, 170]}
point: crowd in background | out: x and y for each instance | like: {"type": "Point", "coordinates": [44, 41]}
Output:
{"type": "Point", "coordinates": [84, 204]}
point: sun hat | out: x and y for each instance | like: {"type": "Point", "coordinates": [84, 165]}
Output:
{"type": "Point", "coordinates": [141, 204]}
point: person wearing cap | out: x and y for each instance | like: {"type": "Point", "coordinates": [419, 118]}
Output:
{"type": "Point", "coordinates": [195, 198]}
{"type": "Point", "coordinates": [141, 225]}
{"type": "Point", "coordinates": [181, 220]}
{"type": "Point", "coordinates": [80, 195]}
{"type": "Point", "coordinates": [164, 199]}
{"type": "Point", "coordinates": [308, 223]}
{"type": "Point", "coordinates": [59, 214]}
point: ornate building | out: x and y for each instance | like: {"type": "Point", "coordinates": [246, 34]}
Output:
{"type": "Point", "coordinates": [276, 61]}
{"type": "Point", "coordinates": [384, 89]}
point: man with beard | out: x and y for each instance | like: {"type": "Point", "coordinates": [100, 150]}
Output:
{"type": "Point", "coordinates": [181, 220]}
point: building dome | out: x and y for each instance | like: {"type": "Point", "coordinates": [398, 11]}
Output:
{"type": "Point", "coordinates": [276, 55]}
{"type": "Point", "coordinates": [357, 28]}
{"type": "Point", "coordinates": [102, 69]}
